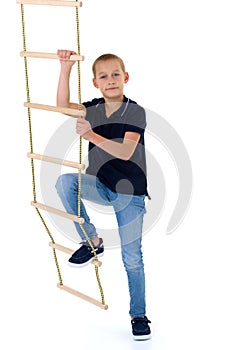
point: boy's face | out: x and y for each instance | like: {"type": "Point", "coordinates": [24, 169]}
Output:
{"type": "Point", "coordinates": [110, 79]}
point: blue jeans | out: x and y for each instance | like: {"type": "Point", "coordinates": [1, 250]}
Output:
{"type": "Point", "coordinates": [129, 211]}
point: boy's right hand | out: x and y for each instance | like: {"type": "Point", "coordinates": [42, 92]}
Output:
{"type": "Point", "coordinates": [64, 57]}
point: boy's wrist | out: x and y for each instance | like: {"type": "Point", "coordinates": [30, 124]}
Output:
{"type": "Point", "coordinates": [65, 69]}
{"type": "Point", "coordinates": [89, 135]}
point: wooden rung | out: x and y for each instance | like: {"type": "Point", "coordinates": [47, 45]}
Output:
{"type": "Point", "coordinates": [56, 160]}
{"type": "Point", "coordinates": [51, 2]}
{"type": "Point", "coordinates": [83, 296]}
{"type": "Point", "coordinates": [58, 212]}
{"type": "Point", "coordinates": [70, 251]}
{"type": "Point", "coordinates": [96, 262]}
{"type": "Point", "coordinates": [48, 55]}
{"type": "Point", "coordinates": [70, 111]}
{"type": "Point", "coordinates": [61, 248]}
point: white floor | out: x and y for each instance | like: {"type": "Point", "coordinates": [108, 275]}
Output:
{"type": "Point", "coordinates": [189, 292]}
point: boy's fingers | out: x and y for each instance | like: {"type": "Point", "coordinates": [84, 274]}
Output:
{"type": "Point", "coordinates": [65, 54]}
{"type": "Point", "coordinates": [80, 120]}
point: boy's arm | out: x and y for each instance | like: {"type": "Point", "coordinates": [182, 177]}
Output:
{"type": "Point", "coordinates": [122, 150]}
{"type": "Point", "coordinates": [63, 89]}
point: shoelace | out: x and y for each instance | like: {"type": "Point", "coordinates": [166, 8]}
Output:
{"type": "Point", "coordinates": [141, 319]}
{"type": "Point", "coordinates": [88, 245]}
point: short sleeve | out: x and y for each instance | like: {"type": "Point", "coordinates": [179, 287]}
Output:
{"type": "Point", "coordinates": [135, 119]}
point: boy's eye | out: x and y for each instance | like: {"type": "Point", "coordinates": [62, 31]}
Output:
{"type": "Point", "coordinates": [105, 76]}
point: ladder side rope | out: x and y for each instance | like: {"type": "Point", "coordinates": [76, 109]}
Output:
{"type": "Point", "coordinates": [80, 160]}
{"type": "Point", "coordinates": [31, 143]}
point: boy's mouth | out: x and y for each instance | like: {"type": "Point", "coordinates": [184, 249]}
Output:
{"type": "Point", "coordinates": [112, 88]}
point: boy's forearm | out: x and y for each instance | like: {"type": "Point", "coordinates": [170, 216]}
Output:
{"type": "Point", "coordinates": [118, 150]}
{"type": "Point", "coordinates": [63, 89]}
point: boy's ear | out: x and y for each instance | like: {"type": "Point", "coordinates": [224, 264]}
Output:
{"type": "Point", "coordinates": [95, 83]}
{"type": "Point", "coordinates": [126, 78]}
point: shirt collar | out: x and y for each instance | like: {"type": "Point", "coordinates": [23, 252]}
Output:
{"type": "Point", "coordinates": [124, 105]}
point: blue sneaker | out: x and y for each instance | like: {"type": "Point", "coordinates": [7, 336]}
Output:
{"type": "Point", "coordinates": [84, 255]}
{"type": "Point", "coordinates": [141, 328]}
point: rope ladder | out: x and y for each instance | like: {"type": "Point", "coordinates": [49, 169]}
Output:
{"type": "Point", "coordinates": [34, 156]}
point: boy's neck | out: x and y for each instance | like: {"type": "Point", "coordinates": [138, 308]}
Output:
{"type": "Point", "coordinates": [112, 106]}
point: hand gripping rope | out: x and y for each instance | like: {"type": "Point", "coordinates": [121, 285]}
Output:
{"type": "Point", "coordinates": [79, 165]}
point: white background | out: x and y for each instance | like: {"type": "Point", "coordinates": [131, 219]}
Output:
{"type": "Point", "coordinates": [179, 56]}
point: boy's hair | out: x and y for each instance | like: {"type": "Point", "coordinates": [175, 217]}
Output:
{"type": "Point", "coordinates": [106, 57]}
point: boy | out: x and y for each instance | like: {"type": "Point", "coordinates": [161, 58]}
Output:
{"type": "Point", "coordinates": [116, 175]}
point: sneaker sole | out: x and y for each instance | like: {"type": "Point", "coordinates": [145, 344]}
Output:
{"type": "Point", "coordinates": [74, 265]}
{"type": "Point", "coordinates": [142, 337]}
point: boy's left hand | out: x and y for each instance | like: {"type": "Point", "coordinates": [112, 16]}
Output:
{"type": "Point", "coordinates": [83, 128]}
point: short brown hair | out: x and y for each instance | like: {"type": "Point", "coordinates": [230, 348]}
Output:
{"type": "Point", "coordinates": [106, 57]}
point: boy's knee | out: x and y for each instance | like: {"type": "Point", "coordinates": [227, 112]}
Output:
{"type": "Point", "coordinates": [63, 183]}
{"type": "Point", "coordinates": [58, 184]}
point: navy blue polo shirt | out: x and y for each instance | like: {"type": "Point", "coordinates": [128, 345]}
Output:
{"type": "Point", "coordinates": [128, 177]}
